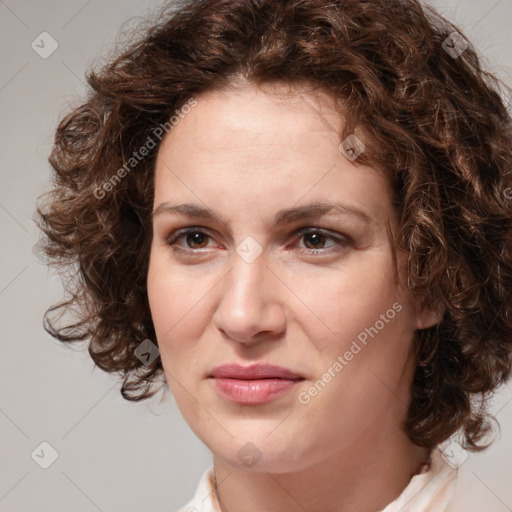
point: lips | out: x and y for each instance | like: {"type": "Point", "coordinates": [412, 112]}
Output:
{"type": "Point", "coordinates": [256, 371]}
{"type": "Point", "coordinates": [253, 385]}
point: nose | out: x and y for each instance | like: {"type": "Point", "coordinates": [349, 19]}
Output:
{"type": "Point", "coordinates": [250, 307]}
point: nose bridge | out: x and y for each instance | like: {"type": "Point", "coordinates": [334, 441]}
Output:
{"type": "Point", "coordinates": [248, 303]}
{"type": "Point", "coordinates": [247, 282]}
{"type": "Point", "coordinates": [249, 268]}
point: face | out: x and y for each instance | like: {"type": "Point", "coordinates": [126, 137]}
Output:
{"type": "Point", "coordinates": [252, 276]}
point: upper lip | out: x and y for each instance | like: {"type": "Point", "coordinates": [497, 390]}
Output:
{"type": "Point", "coordinates": [255, 371]}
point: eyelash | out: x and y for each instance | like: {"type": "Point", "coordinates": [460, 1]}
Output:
{"type": "Point", "coordinates": [341, 240]}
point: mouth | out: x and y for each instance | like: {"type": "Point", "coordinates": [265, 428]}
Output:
{"type": "Point", "coordinates": [253, 385]}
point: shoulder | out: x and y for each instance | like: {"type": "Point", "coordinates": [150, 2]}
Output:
{"type": "Point", "coordinates": [472, 494]}
{"type": "Point", "coordinates": [429, 491]}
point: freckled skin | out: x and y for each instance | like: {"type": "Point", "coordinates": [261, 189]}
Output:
{"type": "Point", "coordinates": [246, 155]}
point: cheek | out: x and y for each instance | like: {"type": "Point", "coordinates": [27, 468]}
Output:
{"type": "Point", "coordinates": [168, 305]}
{"type": "Point", "coordinates": [169, 315]}
{"type": "Point", "coordinates": [352, 299]}
{"type": "Point", "coordinates": [171, 294]}
{"type": "Point", "coordinates": [162, 296]}
{"type": "Point", "coordinates": [369, 323]}
{"type": "Point", "coordinates": [178, 302]}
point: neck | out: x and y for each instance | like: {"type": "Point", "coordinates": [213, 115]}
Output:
{"type": "Point", "coordinates": [365, 476]}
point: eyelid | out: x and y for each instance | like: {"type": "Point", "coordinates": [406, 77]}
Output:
{"type": "Point", "coordinates": [325, 232]}
{"type": "Point", "coordinates": [340, 239]}
{"type": "Point", "coordinates": [184, 231]}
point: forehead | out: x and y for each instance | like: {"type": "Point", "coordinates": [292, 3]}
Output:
{"type": "Point", "coordinates": [256, 149]}
{"type": "Point", "coordinates": [247, 119]}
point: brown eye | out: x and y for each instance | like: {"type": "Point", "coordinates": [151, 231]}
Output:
{"type": "Point", "coordinates": [194, 238]}
{"type": "Point", "coordinates": [315, 239]}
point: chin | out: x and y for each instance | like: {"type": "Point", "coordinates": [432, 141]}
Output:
{"type": "Point", "coordinates": [273, 454]}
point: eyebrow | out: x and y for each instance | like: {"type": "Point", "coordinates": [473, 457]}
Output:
{"type": "Point", "coordinates": [286, 216]}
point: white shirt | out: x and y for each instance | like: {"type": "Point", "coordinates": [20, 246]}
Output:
{"type": "Point", "coordinates": [429, 491]}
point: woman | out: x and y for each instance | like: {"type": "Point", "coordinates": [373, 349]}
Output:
{"type": "Point", "coordinates": [305, 206]}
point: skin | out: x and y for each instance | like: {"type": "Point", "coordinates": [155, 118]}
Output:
{"type": "Point", "coordinates": [247, 153]}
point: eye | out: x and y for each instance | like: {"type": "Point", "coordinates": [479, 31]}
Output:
{"type": "Point", "coordinates": [316, 238]}
{"type": "Point", "coordinates": [195, 238]}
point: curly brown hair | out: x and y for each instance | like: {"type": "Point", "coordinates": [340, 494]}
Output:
{"type": "Point", "coordinates": [432, 120]}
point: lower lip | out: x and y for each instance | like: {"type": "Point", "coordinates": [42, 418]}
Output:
{"type": "Point", "coordinates": [252, 392]}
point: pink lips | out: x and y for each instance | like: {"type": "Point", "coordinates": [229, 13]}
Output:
{"type": "Point", "coordinates": [252, 385]}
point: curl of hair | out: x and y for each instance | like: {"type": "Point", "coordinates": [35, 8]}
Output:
{"type": "Point", "coordinates": [435, 124]}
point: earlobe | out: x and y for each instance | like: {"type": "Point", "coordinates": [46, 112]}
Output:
{"type": "Point", "coordinates": [428, 316]}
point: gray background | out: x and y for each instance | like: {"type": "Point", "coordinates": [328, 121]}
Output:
{"type": "Point", "coordinates": [115, 455]}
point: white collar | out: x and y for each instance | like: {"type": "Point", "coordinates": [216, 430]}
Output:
{"type": "Point", "coordinates": [428, 491]}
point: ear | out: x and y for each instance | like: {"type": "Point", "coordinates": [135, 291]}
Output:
{"type": "Point", "coordinates": [428, 316]}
